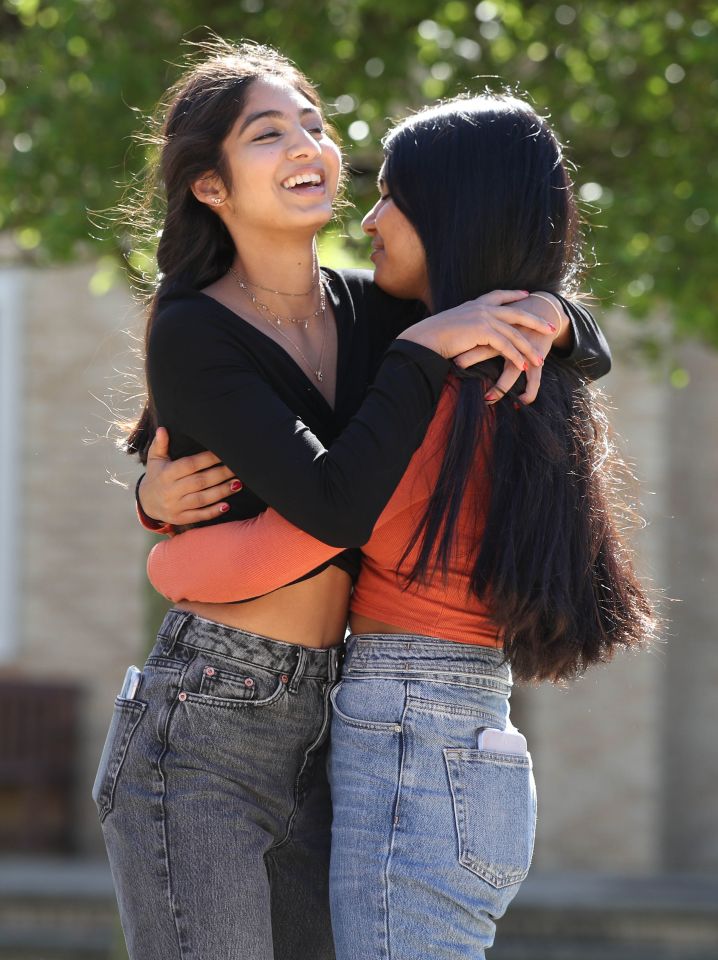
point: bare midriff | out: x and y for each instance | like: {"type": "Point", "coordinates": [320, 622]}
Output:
{"type": "Point", "coordinates": [312, 613]}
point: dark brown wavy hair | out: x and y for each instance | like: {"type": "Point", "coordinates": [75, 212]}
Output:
{"type": "Point", "coordinates": [190, 125]}
{"type": "Point", "coordinates": [484, 183]}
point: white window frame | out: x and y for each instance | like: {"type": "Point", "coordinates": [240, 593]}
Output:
{"type": "Point", "coordinates": [11, 318]}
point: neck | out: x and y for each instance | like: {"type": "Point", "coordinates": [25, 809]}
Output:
{"type": "Point", "coordinates": [280, 263]}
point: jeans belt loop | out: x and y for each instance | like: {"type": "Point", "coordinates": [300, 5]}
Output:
{"type": "Point", "coordinates": [335, 661]}
{"type": "Point", "coordinates": [298, 670]}
{"type": "Point", "coordinates": [179, 620]}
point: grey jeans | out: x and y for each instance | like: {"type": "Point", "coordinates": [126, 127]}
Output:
{"type": "Point", "coordinates": [213, 798]}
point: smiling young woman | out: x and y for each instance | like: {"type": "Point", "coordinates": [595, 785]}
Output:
{"type": "Point", "coordinates": [212, 789]}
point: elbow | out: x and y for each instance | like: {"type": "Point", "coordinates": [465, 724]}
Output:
{"type": "Point", "coordinates": [602, 364]}
{"type": "Point", "coordinates": [344, 532]}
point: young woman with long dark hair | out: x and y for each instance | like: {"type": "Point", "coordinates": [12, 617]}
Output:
{"type": "Point", "coordinates": [212, 789]}
{"type": "Point", "coordinates": [498, 553]}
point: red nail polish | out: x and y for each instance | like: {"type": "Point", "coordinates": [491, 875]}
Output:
{"type": "Point", "coordinates": [235, 485]}
{"type": "Point", "coordinates": [552, 327]}
{"type": "Point", "coordinates": [525, 367]}
{"type": "Point", "coordinates": [224, 507]}
{"type": "Point", "coordinates": [540, 359]}
{"type": "Point", "coordinates": [490, 397]}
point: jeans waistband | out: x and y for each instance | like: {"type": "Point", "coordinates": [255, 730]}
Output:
{"type": "Point", "coordinates": [411, 655]}
{"type": "Point", "coordinates": [180, 627]}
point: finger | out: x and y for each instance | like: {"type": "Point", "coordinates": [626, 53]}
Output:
{"type": "Point", "coordinates": [533, 382]}
{"type": "Point", "coordinates": [159, 449]}
{"type": "Point", "coordinates": [509, 350]}
{"type": "Point", "coordinates": [522, 318]}
{"type": "Point", "coordinates": [194, 464]}
{"type": "Point", "coordinates": [206, 513]}
{"type": "Point", "coordinates": [204, 498]}
{"type": "Point", "coordinates": [476, 355]}
{"type": "Point", "coordinates": [498, 297]}
{"type": "Point", "coordinates": [203, 479]}
{"type": "Point", "coordinates": [523, 353]}
{"type": "Point", "coordinates": [506, 381]}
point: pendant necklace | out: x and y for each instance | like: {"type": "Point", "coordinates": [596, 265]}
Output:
{"type": "Point", "coordinates": [263, 309]}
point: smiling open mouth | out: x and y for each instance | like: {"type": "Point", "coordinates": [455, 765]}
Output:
{"type": "Point", "coordinates": [304, 181]}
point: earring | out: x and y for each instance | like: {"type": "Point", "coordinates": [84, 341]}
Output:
{"type": "Point", "coordinates": [216, 200]}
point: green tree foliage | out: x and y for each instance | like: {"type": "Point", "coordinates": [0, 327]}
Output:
{"type": "Point", "coordinates": [631, 87]}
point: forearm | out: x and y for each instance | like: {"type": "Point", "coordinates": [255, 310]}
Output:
{"type": "Point", "coordinates": [234, 561]}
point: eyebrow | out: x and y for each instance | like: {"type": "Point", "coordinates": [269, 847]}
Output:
{"type": "Point", "coordinates": [273, 115]}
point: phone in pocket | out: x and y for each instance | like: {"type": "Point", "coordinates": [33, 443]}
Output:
{"type": "Point", "coordinates": [503, 741]}
{"type": "Point", "coordinates": [131, 683]}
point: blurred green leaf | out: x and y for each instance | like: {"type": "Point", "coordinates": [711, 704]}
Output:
{"type": "Point", "coordinates": [632, 88]}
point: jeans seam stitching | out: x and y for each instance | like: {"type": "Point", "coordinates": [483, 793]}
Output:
{"type": "Point", "coordinates": [293, 815]}
{"type": "Point", "coordinates": [163, 810]}
{"type": "Point", "coordinates": [397, 802]}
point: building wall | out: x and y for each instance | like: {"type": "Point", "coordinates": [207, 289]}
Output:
{"type": "Point", "coordinates": [625, 758]}
{"type": "Point", "coordinates": [80, 553]}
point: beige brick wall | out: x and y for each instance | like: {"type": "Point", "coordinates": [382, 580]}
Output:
{"type": "Point", "coordinates": [81, 552]}
{"type": "Point", "coordinates": [625, 757]}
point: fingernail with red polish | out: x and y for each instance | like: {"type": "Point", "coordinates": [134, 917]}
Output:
{"type": "Point", "coordinates": [490, 397]}
{"type": "Point", "coordinates": [224, 507]}
{"type": "Point", "coordinates": [539, 359]}
{"type": "Point", "coordinates": [525, 366]}
{"type": "Point", "coordinates": [235, 485]}
{"type": "Point", "coordinates": [552, 327]}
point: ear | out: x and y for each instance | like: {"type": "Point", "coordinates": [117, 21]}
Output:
{"type": "Point", "coordinates": [209, 189]}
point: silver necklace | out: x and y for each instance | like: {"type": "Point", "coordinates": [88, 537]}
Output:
{"type": "Point", "coordinates": [282, 293]}
{"type": "Point", "coordinates": [266, 309]}
{"type": "Point", "coordinates": [318, 373]}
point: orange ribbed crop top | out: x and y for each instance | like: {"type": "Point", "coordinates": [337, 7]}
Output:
{"type": "Point", "coordinates": [245, 559]}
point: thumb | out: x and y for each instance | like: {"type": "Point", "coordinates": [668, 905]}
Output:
{"type": "Point", "coordinates": [160, 446]}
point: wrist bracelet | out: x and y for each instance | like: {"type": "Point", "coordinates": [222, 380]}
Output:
{"type": "Point", "coordinates": [559, 313]}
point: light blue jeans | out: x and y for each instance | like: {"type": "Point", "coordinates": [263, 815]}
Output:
{"type": "Point", "coordinates": [431, 836]}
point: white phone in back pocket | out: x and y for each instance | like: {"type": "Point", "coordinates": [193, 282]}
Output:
{"type": "Point", "coordinates": [503, 741]}
{"type": "Point", "coordinates": [131, 683]}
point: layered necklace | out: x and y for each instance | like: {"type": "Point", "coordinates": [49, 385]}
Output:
{"type": "Point", "coordinates": [276, 319]}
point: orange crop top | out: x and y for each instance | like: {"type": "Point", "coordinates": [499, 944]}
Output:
{"type": "Point", "coordinates": [245, 559]}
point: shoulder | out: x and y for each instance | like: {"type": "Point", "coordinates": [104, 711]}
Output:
{"type": "Point", "coordinates": [187, 319]}
{"type": "Point", "coordinates": [192, 334]}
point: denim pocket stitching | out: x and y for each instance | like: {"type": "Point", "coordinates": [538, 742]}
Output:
{"type": "Point", "coordinates": [228, 703]}
{"type": "Point", "coordinates": [115, 752]}
{"type": "Point", "coordinates": [477, 864]}
{"type": "Point", "coordinates": [379, 726]}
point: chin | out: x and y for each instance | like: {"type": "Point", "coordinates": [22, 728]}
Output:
{"type": "Point", "coordinates": [393, 285]}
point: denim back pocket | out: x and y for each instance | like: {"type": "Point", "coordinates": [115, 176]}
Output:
{"type": "Point", "coordinates": [125, 717]}
{"type": "Point", "coordinates": [494, 799]}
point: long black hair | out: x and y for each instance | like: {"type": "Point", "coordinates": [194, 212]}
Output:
{"type": "Point", "coordinates": [485, 185]}
{"type": "Point", "coordinates": [187, 134]}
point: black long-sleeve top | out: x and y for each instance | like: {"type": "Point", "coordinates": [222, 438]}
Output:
{"type": "Point", "coordinates": [220, 384]}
